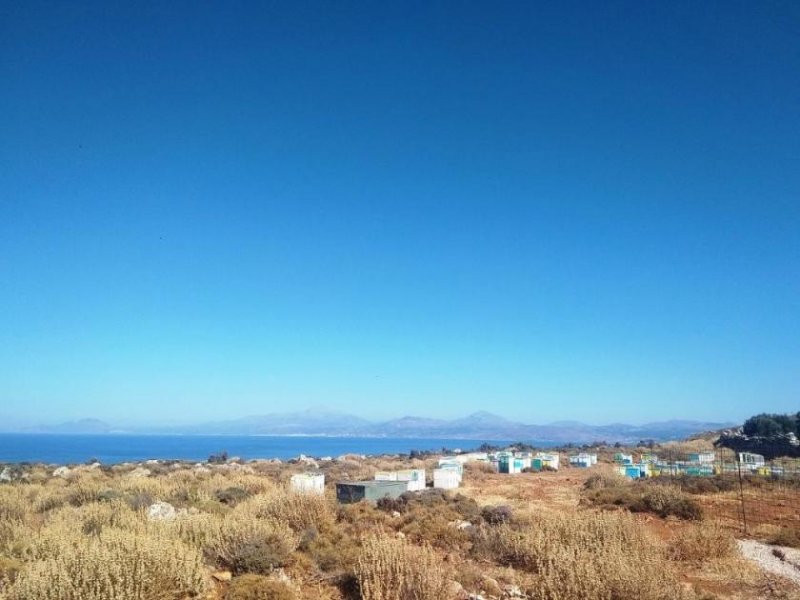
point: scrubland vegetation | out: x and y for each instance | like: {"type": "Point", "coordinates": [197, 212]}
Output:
{"type": "Point", "coordinates": [235, 532]}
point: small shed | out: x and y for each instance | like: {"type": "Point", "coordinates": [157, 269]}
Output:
{"type": "Point", "coordinates": [349, 492]}
{"type": "Point", "coordinates": [446, 479]}
{"type": "Point", "coordinates": [308, 483]}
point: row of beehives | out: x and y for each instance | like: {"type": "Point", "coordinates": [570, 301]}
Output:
{"type": "Point", "coordinates": [517, 462]}
{"type": "Point", "coordinates": [389, 484]}
{"type": "Point", "coordinates": [699, 464]}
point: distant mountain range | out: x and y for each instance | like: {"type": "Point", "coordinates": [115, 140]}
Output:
{"type": "Point", "coordinates": [479, 426]}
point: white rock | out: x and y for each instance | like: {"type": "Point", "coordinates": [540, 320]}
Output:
{"type": "Point", "coordinates": [161, 511]}
{"type": "Point", "coordinates": [61, 472]}
{"type": "Point", "coordinates": [5, 474]}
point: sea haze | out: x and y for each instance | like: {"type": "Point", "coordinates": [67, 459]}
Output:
{"type": "Point", "coordinates": [111, 448]}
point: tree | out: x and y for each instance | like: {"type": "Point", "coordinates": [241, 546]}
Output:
{"type": "Point", "coordinates": [766, 425]}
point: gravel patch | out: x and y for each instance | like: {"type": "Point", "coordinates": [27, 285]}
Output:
{"type": "Point", "coordinates": [761, 554]}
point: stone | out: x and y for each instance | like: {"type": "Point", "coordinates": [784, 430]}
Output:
{"type": "Point", "coordinates": [62, 472]}
{"type": "Point", "coordinates": [5, 475]}
{"type": "Point", "coordinates": [161, 511]}
{"type": "Point", "coordinates": [222, 575]}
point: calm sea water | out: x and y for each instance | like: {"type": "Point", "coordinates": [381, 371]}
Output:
{"type": "Point", "coordinates": [65, 449]}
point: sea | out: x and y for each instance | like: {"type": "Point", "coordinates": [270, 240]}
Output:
{"type": "Point", "coordinates": [118, 448]}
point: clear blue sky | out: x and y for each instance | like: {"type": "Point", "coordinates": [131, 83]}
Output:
{"type": "Point", "coordinates": [546, 210]}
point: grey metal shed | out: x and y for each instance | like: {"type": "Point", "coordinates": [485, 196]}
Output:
{"type": "Point", "coordinates": [348, 492]}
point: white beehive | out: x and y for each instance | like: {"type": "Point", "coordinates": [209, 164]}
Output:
{"type": "Point", "coordinates": [308, 483]}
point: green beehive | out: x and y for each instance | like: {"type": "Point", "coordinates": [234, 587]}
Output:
{"type": "Point", "coordinates": [355, 491]}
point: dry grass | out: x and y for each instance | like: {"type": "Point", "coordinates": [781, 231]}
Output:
{"type": "Point", "coordinates": [392, 569]}
{"type": "Point", "coordinates": [114, 564]}
{"type": "Point", "coordinates": [703, 543]}
{"type": "Point", "coordinates": [587, 555]}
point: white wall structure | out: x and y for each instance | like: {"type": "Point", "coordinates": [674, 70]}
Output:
{"type": "Point", "coordinates": [751, 459]}
{"type": "Point", "coordinates": [452, 466]}
{"type": "Point", "coordinates": [414, 478]}
{"type": "Point", "coordinates": [704, 457]}
{"type": "Point", "coordinates": [582, 460]}
{"type": "Point", "coordinates": [446, 479]}
{"type": "Point", "coordinates": [308, 483]}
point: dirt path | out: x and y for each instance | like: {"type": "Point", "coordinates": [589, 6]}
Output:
{"type": "Point", "coordinates": [766, 559]}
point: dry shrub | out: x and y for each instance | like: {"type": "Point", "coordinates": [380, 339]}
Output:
{"type": "Point", "coordinates": [84, 491]}
{"type": "Point", "coordinates": [479, 468]}
{"type": "Point", "coordinates": [252, 545]}
{"type": "Point", "coordinates": [258, 587]}
{"type": "Point", "coordinates": [14, 503]}
{"type": "Point", "coordinates": [153, 487]}
{"type": "Point", "coordinates": [392, 569]}
{"type": "Point", "coordinates": [199, 530]}
{"type": "Point", "coordinates": [663, 500]}
{"type": "Point", "coordinates": [114, 564]}
{"type": "Point", "coordinates": [585, 556]}
{"type": "Point", "coordinates": [14, 538]}
{"type": "Point", "coordinates": [297, 510]}
{"type": "Point", "coordinates": [705, 542]}
{"type": "Point", "coordinates": [606, 479]}
{"type": "Point", "coordinates": [9, 569]}
{"type": "Point", "coordinates": [332, 551]}
{"type": "Point", "coordinates": [784, 536]}
{"type": "Point", "coordinates": [49, 498]}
